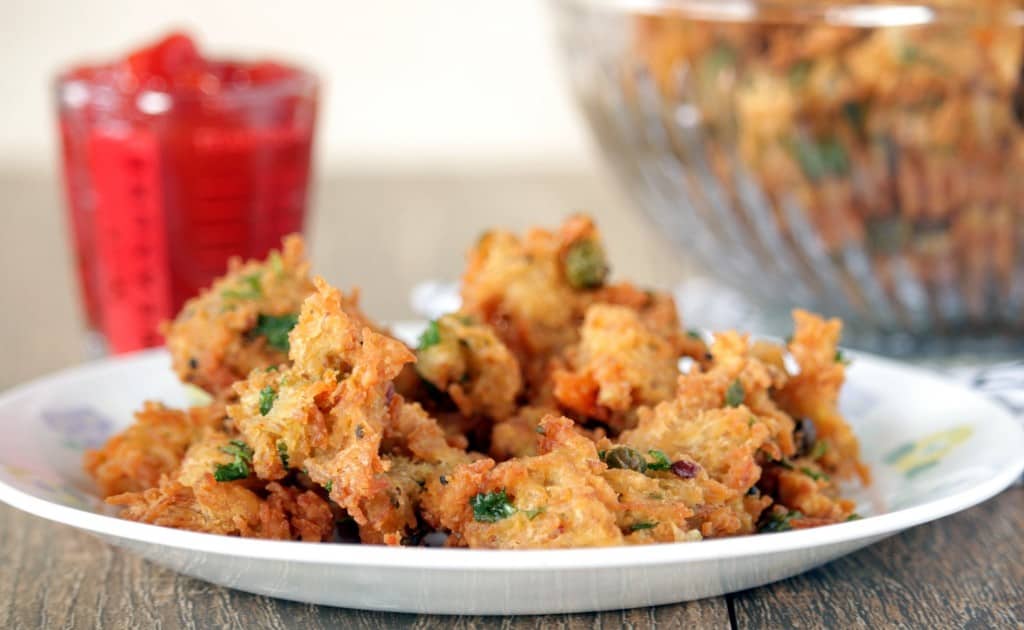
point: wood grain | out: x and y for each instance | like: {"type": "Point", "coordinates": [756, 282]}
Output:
{"type": "Point", "coordinates": [56, 577]}
{"type": "Point", "coordinates": [966, 571]}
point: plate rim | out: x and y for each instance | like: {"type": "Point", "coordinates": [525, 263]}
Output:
{"type": "Point", "coordinates": [379, 556]}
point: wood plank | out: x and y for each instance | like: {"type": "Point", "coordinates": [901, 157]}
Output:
{"type": "Point", "coordinates": [54, 576]}
{"type": "Point", "coordinates": [963, 571]}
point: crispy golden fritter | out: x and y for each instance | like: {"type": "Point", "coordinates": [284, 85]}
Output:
{"type": "Point", "coordinates": [231, 509]}
{"type": "Point", "coordinates": [466, 360]}
{"type": "Point", "coordinates": [326, 413]}
{"type": "Point", "coordinates": [813, 393]}
{"type": "Point", "coordinates": [517, 436]}
{"type": "Point", "coordinates": [191, 498]}
{"type": "Point", "coordinates": [618, 365]}
{"type": "Point", "coordinates": [417, 451]}
{"type": "Point", "coordinates": [154, 445]}
{"type": "Point", "coordinates": [556, 499]}
{"type": "Point", "coordinates": [241, 322]}
{"type": "Point", "coordinates": [534, 291]}
{"type": "Point", "coordinates": [662, 507]}
{"type": "Point", "coordinates": [215, 340]}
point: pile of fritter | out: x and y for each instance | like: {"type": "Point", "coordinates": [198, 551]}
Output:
{"type": "Point", "coordinates": [554, 409]}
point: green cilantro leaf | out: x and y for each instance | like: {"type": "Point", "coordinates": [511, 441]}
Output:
{"type": "Point", "coordinates": [585, 265]}
{"type": "Point", "coordinates": [282, 452]}
{"type": "Point", "coordinates": [660, 460]}
{"type": "Point", "coordinates": [491, 507]}
{"type": "Point", "coordinates": [276, 328]}
{"type": "Point", "coordinates": [813, 474]}
{"type": "Point", "coordinates": [735, 394]}
{"type": "Point", "coordinates": [231, 472]}
{"type": "Point", "coordinates": [250, 289]}
{"type": "Point", "coordinates": [430, 337]}
{"type": "Point", "coordinates": [780, 522]}
{"type": "Point", "coordinates": [531, 514]}
{"type": "Point", "coordinates": [820, 448]}
{"type": "Point", "coordinates": [635, 527]}
{"type": "Point", "coordinates": [267, 398]}
{"type": "Point", "coordinates": [239, 468]}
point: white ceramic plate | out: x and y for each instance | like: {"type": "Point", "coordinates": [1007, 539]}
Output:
{"type": "Point", "coordinates": [935, 448]}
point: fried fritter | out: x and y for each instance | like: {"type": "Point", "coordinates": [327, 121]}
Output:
{"type": "Point", "coordinates": [813, 393]}
{"type": "Point", "coordinates": [154, 445]}
{"type": "Point", "coordinates": [466, 360]}
{"type": "Point", "coordinates": [241, 322]}
{"type": "Point", "coordinates": [193, 499]}
{"type": "Point", "coordinates": [618, 365]}
{"type": "Point", "coordinates": [534, 292]}
{"type": "Point", "coordinates": [418, 451]}
{"type": "Point", "coordinates": [326, 413]}
{"type": "Point", "coordinates": [556, 499]}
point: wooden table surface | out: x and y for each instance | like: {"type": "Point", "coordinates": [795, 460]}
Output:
{"type": "Point", "coordinates": [384, 233]}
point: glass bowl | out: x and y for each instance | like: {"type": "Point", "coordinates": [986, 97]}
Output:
{"type": "Point", "coordinates": [865, 160]}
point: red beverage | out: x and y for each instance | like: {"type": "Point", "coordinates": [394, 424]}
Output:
{"type": "Point", "coordinates": [173, 163]}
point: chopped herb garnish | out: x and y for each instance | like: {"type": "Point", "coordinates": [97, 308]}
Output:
{"type": "Point", "coordinates": [491, 507]}
{"type": "Point", "coordinates": [329, 486]}
{"type": "Point", "coordinates": [694, 334]}
{"type": "Point", "coordinates": [276, 328]}
{"type": "Point", "coordinates": [238, 449]}
{"type": "Point", "coordinates": [635, 527]}
{"type": "Point", "coordinates": [239, 468]}
{"type": "Point", "coordinates": [854, 114]}
{"type": "Point", "coordinates": [909, 54]}
{"type": "Point", "coordinates": [813, 474]}
{"type": "Point", "coordinates": [735, 394]}
{"type": "Point", "coordinates": [626, 458]}
{"type": "Point", "coordinates": [267, 398]}
{"type": "Point", "coordinates": [820, 448]}
{"type": "Point", "coordinates": [430, 337]}
{"type": "Point", "coordinates": [824, 158]}
{"type": "Point", "coordinates": [231, 472]}
{"type": "Point", "coordinates": [660, 462]}
{"type": "Point", "coordinates": [276, 263]}
{"type": "Point", "coordinates": [780, 521]}
{"type": "Point", "coordinates": [783, 463]}
{"type": "Point", "coordinates": [540, 429]}
{"type": "Point", "coordinates": [585, 265]}
{"type": "Point", "coordinates": [854, 517]}
{"type": "Point", "coordinates": [799, 72]}
{"type": "Point", "coordinates": [839, 358]}
{"type": "Point", "coordinates": [272, 368]}
{"type": "Point", "coordinates": [250, 289]}
{"type": "Point", "coordinates": [532, 514]}
{"type": "Point", "coordinates": [751, 420]}
{"type": "Point", "coordinates": [282, 452]}
{"type": "Point", "coordinates": [718, 58]}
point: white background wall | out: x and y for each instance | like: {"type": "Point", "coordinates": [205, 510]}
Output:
{"type": "Point", "coordinates": [447, 83]}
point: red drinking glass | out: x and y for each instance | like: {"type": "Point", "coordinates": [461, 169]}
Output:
{"type": "Point", "coordinates": [174, 163]}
